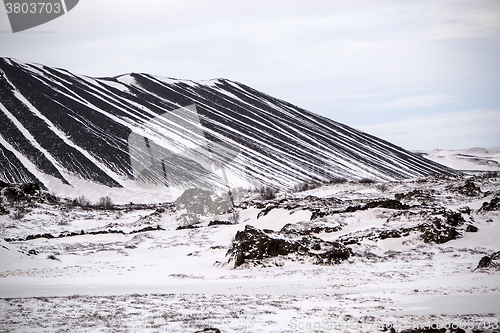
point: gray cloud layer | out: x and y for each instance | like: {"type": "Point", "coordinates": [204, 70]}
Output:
{"type": "Point", "coordinates": [369, 64]}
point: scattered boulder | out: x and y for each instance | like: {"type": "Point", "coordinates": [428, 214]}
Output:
{"type": "Point", "coordinates": [319, 207]}
{"type": "Point", "coordinates": [388, 203]}
{"type": "Point", "coordinates": [3, 211]}
{"type": "Point", "coordinates": [492, 261]}
{"type": "Point", "coordinates": [145, 229]}
{"type": "Point", "coordinates": [471, 228]}
{"type": "Point", "coordinates": [484, 262]}
{"type": "Point", "coordinates": [253, 245]}
{"type": "Point", "coordinates": [217, 222]}
{"type": "Point", "coordinates": [374, 235]}
{"type": "Point", "coordinates": [418, 195]}
{"type": "Point", "coordinates": [202, 202]}
{"type": "Point", "coordinates": [209, 330]}
{"type": "Point", "coordinates": [465, 210]}
{"type": "Point", "coordinates": [469, 189]}
{"type": "Point", "coordinates": [18, 192]}
{"type": "Point", "coordinates": [453, 218]}
{"type": "Point", "coordinates": [439, 226]}
{"type": "Point", "coordinates": [27, 192]}
{"type": "Point", "coordinates": [189, 226]}
{"type": "Point", "coordinates": [46, 235]}
{"type": "Point", "coordinates": [307, 228]}
{"type": "Point", "coordinates": [494, 204]}
{"type": "Point", "coordinates": [438, 232]}
{"type": "Point", "coordinates": [445, 225]}
{"type": "Point", "coordinates": [30, 188]}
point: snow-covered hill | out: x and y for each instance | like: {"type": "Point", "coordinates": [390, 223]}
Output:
{"type": "Point", "coordinates": [133, 130]}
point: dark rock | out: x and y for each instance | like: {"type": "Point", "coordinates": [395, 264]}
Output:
{"type": "Point", "coordinates": [30, 188]}
{"type": "Point", "coordinates": [47, 198]}
{"type": "Point", "coordinates": [217, 222]}
{"type": "Point", "coordinates": [464, 210]}
{"type": "Point", "coordinates": [21, 192]}
{"type": "Point", "coordinates": [189, 226]}
{"type": "Point", "coordinates": [48, 236]}
{"type": "Point", "coordinates": [374, 235]}
{"type": "Point", "coordinates": [453, 218]}
{"type": "Point", "coordinates": [417, 194]}
{"type": "Point", "coordinates": [253, 244]}
{"type": "Point", "coordinates": [494, 204]}
{"type": "Point", "coordinates": [305, 229]}
{"type": "Point", "coordinates": [492, 261]}
{"type": "Point", "coordinates": [442, 226]}
{"type": "Point", "coordinates": [399, 196]}
{"type": "Point", "coordinates": [266, 210]}
{"type": "Point", "coordinates": [390, 234]}
{"type": "Point", "coordinates": [484, 262]}
{"type": "Point", "coordinates": [209, 330]}
{"type": "Point", "coordinates": [438, 232]}
{"type": "Point", "coordinates": [33, 252]}
{"type": "Point", "coordinates": [12, 193]}
{"type": "Point", "coordinates": [3, 211]}
{"type": "Point", "coordinates": [469, 189]}
{"type": "Point", "coordinates": [471, 228]}
{"type": "Point", "coordinates": [103, 232]}
{"type": "Point", "coordinates": [388, 203]}
{"type": "Point", "coordinates": [319, 207]}
{"type": "Point", "coordinates": [150, 228]}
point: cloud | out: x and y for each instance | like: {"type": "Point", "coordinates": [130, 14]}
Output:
{"type": "Point", "coordinates": [411, 102]}
{"type": "Point", "coordinates": [453, 130]}
{"type": "Point", "coordinates": [342, 59]}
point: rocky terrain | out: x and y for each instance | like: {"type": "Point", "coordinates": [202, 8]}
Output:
{"type": "Point", "coordinates": [344, 256]}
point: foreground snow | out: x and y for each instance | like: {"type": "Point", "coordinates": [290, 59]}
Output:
{"type": "Point", "coordinates": [168, 280]}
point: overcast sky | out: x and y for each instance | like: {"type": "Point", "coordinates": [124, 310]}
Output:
{"type": "Point", "coordinates": [421, 74]}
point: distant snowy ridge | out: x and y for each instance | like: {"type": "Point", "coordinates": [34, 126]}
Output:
{"type": "Point", "coordinates": [473, 160]}
{"type": "Point", "coordinates": [57, 127]}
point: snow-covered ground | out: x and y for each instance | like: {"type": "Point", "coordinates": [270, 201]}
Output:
{"type": "Point", "coordinates": [104, 271]}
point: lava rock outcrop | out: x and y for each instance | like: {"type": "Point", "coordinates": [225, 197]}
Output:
{"type": "Point", "coordinates": [253, 245]}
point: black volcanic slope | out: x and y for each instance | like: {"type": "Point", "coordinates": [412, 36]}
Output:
{"type": "Point", "coordinates": [58, 124]}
